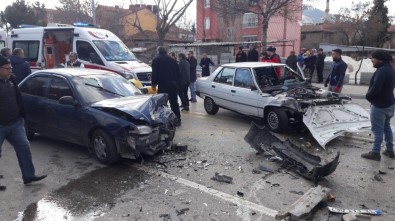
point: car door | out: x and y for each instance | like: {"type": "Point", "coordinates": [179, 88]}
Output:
{"type": "Point", "coordinates": [222, 87]}
{"type": "Point", "coordinates": [33, 92]}
{"type": "Point", "coordinates": [245, 94]}
{"type": "Point", "coordinates": [62, 121]}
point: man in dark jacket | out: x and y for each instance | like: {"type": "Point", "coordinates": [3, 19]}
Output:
{"type": "Point", "coordinates": [192, 71]}
{"type": "Point", "coordinates": [205, 64]}
{"type": "Point", "coordinates": [20, 67]}
{"type": "Point", "coordinates": [319, 65]}
{"type": "Point", "coordinates": [166, 75]}
{"type": "Point", "coordinates": [185, 77]}
{"type": "Point", "coordinates": [12, 123]}
{"type": "Point", "coordinates": [381, 96]}
{"type": "Point", "coordinates": [241, 56]}
{"type": "Point", "coordinates": [253, 54]}
{"type": "Point", "coordinates": [336, 77]}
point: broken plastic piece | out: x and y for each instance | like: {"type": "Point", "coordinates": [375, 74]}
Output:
{"type": "Point", "coordinates": [222, 178]}
{"type": "Point", "coordinates": [363, 211]}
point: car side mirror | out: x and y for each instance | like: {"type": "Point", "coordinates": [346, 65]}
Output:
{"type": "Point", "coordinates": [67, 100]}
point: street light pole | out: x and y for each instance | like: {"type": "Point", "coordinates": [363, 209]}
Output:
{"type": "Point", "coordinates": [94, 12]}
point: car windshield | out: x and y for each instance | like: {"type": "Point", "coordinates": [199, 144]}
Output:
{"type": "Point", "coordinates": [114, 50]}
{"type": "Point", "coordinates": [95, 88]}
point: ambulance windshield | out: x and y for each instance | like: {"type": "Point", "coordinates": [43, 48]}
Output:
{"type": "Point", "coordinates": [114, 50]}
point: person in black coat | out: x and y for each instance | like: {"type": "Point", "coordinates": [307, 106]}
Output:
{"type": "Point", "coordinates": [185, 77]}
{"type": "Point", "coordinates": [381, 96]}
{"type": "Point", "coordinates": [241, 56]}
{"type": "Point", "coordinates": [205, 64]}
{"type": "Point", "coordinates": [166, 75]}
{"type": "Point", "coordinates": [319, 65]}
{"type": "Point", "coordinates": [192, 71]}
{"type": "Point", "coordinates": [20, 67]}
{"type": "Point", "coordinates": [253, 54]}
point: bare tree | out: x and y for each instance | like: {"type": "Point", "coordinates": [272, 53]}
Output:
{"type": "Point", "coordinates": [267, 9]}
{"type": "Point", "coordinates": [168, 14]}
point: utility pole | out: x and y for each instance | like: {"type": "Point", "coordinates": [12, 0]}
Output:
{"type": "Point", "coordinates": [94, 12]}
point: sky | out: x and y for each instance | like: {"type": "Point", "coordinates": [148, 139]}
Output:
{"type": "Point", "coordinates": [335, 5]}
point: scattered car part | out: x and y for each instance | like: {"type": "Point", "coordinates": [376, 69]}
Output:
{"type": "Point", "coordinates": [363, 211]}
{"type": "Point", "coordinates": [222, 178]}
{"type": "Point", "coordinates": [307, 165]}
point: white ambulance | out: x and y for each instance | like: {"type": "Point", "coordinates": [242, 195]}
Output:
{"type": "Point", "coordinates": [49, 47]}
{"type": "Point", "coordinates": [3, 36]}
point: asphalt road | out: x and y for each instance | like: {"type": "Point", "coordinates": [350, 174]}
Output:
{"type": "Point", "coordinates": [80, 188]}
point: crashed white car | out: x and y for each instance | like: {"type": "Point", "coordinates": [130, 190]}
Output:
{"type": "Point", "coordinates": [253, 88]}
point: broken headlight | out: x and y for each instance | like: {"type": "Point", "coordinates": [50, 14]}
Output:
{"type": "Point", "coordinates": [142, 130]}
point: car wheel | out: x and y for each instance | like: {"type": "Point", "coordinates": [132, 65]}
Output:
{"type": "Point", "coordinates": [210, 106]}
{"type": "Point", "coordinates": [104, 147]}
{"type": "Point", "coordinates": [276, 120]}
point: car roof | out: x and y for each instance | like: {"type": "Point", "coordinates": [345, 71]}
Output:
{"type": "Point", "coordinates": [73, 72]}
{"type": "Point", "coordinates": [253, 64]}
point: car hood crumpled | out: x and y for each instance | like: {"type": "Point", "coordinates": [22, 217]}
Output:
{"type": "Point", "coordinates": [150, 108]}
{"type": "Point", "coordinates": [330, 121]}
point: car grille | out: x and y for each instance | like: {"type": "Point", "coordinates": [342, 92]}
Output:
{"type": "Point", "coordinates": [144, 76]}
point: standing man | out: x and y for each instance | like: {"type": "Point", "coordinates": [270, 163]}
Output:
{"type": "Point", "coordinates": [253, 54]}
{"type": "Point", "coordinates": [20, 67]}
{"type": "Point", "coordinates": [275, 58]}
{"type": "Point", "coordinates": [192, 71]}
{"type": "Point", "coordinates": [185, 80]}
{"type": "Point", "coordinates": [12, 123]}
{"type": "Point", "coordinates": [336, 77]}
{"type": "Point", "coordinates": [166, 75]}
{"type": "Point", "coordinates": [6, 52]}
{"type": "Point", "coordinates": [205, 64]}
{"type": "Point", "coordinates": [241, 56]}
{"type": "Point", "coordinates": [309, 62]}
{"type": "Point", "coordinates": [291, 61]}
{"type": "Point", "coordinates": [319, 65]}
{"type": "Point", "coordinates": [381, 96]}
{"type": "Point", "coordinates": [73, 61]}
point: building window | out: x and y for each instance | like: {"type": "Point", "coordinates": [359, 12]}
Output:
{"type": "Point", "coordinates": [250, 20]}
{"type": "Point", "coordinates": [207, 3]}
{"type": "Point", "coordinates": [249, 38]}
{"type": "Point", "coordinates": [206, 23]}
{"type": "Point", "coordinates": [253, 2]}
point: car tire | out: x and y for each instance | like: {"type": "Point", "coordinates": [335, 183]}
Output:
{"type": "Point", "coordinates": [210, 106]}
{"type": "Point", "coordinates": [104, 147]}
{"type": "Point", "coordinates": [276, 120]}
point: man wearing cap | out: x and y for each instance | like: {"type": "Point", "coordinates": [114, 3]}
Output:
{"type": "Point", "coordinates": [241, 56]}
{"type": "Point", "coordinates": [275, 58]}
{"type": "Point", "coordinates": [12, 123]}
{"type": "Point", "coordinates": [336, 77]}
{"type": "Point", "coordinates": [381, 96]}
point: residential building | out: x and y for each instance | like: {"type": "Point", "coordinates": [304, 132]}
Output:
{"type": "Point", "coordinates": [247, 27]}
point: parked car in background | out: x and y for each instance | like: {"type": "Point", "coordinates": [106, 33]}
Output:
{"type": "Point", "coordinates": [253, 89]}
{"type": "Point", "coordinates": [98, 109]}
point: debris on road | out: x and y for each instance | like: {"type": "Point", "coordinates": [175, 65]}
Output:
{"type": "Point", "coordinates": [265, 169]}
{"type": "Point", "coordinates": [240, 194]}
{"type": "Point", "coordinates": [307, 165]}
{"type": "Point", "coordinates": [222, 178]}
{"type": "Point", "coordinates": [330, 197]}
{"type": "Point", "coordinates": [356, 217]}
{"type": "Point", "coordinates": [390, 168]}
{"type": "Point", "coordinates": [256, 171]}
{"type": "Point", "coordinates": [382, 172]}
{"type": "Point", "coordinates": [305, 204]}
{"type": "Point", "coordinates": [363, 211]}
{"type": "Point", "coordinates": [377, 177]}
{"type": "Point", "coordinates": [296, 192]}
{"type": "Point", "coordinates": [182, 211]}
{"type": "Point", "coordinates": [179, 147]}
{"type": "Point", "coordinates": [2, 187]}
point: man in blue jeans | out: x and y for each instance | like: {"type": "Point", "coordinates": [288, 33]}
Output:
{"type": "Point", "coordinates": [381, 96]}
{"type": "Point", "coordinates": [12, 122]}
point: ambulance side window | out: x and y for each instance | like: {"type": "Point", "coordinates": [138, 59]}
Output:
{"type": "Point", "coordinates": [86, 52]}
{"type": "Point", "coordinates": [29, 47]}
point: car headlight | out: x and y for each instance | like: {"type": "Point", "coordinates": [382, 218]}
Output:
{"type": "Point", "coordinates": [127, 74]}
{"type": "Point", "coordinates": [142, 130]}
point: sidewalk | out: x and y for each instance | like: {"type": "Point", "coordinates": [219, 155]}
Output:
{"type": "Point", "coordinates": [352, 90]}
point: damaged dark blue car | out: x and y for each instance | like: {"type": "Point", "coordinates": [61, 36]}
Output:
{"type": "Point", "coordinates": [97, 109]}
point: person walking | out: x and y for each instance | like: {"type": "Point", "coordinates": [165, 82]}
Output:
{"type": "Point", "coordinates": [73, 61]}
{"type": "Point", "coordinates": [166, 75]}
{"type": "Point", "coordinates": [381, 97]}
{"type": "Point", "coordinates": [336, 77]}
{"type": "Point", "coordinates": [20, 67]}
{"type": "Point", "coordinates": [205, 64]}
{"type": "Point", "coordinates": [192, 71]}
{"type": "Point", "coordinates": [241, 56]}
{"type": "Point", "coordinates": [185, 80]}
{"type": "Point", "coordinates": [319, 65]}
{"type": "Point", "coordinates": [253, 54]}
{"type": "Point", "coordinates": [12, 126]}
